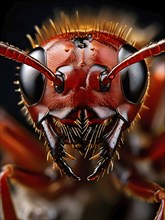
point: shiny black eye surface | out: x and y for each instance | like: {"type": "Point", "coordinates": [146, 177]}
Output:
{"type": "Point", "coordinates": [103, 80]}
{"type": "Point", "coordinates": [134, 78]}
{"type": "Point", "coordinates": [60, 87]}
{"type": "Point", "coordinates": [60, 75]}
{"type": "Point", "coordinates": [104, 87]}
{"type": "Point", "coordinates": [31, 81]}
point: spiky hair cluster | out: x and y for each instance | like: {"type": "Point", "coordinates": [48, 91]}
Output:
{"type": "Point", "coordinates": [80, 24]}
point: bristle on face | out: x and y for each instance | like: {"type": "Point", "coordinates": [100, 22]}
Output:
{"type": "Point", "coordinates": [78, 23]}
{"type": "Point", "coordinates": [107, 21]}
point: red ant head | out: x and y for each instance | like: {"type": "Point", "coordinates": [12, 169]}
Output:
{"type": "Point", "coordinates": [85, 108]}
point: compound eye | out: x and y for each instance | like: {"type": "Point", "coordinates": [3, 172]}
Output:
{"type": "Point", "coordinates": [103, 72]}
{"type": "Point", "coordinates": [104, 87]}
{"type": "Point", "coordinates": [31, 81]}
{"type": "Point", "coordinates": [134, 78]}
{"type": "Point", "coordinates": [60, 75]}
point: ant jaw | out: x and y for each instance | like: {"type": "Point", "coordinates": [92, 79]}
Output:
{"type": "Point", "coordinates": [111, 129]}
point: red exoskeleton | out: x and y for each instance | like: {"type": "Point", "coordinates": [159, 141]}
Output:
{"type": "Point", "coordinates": [82, 86]}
